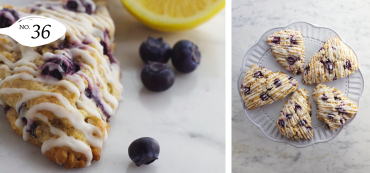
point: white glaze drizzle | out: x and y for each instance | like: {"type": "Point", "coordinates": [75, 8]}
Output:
{"type": "Point", "coordinates": [334, 112]}
{"type": "Point", "coordinates": [265, 84]}
{"type": "Point", "coordinates": [80, 28]}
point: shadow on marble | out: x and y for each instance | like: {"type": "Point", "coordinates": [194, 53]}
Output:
{"type": "Point", "coordinates": [185, 83]}
{"type": "Point", "coordinates": [156, 101]}
{"type": "Point", "coordinates": [132, 168]}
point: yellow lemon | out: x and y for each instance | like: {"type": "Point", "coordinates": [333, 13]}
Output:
{"type": "Point", "coordinates": [173, 15]}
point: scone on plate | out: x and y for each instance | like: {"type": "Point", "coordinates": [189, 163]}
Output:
{"type": "Point", "coordinates": [334, 60]}
{"type": "Point", "coordinates": [261, 86]}
{"type": "Point", "coordinates": [288, 48]}
{"type": "Point", "coordinates": [60, 96]}
{"type": "Point", "coordinates": [295, 117]}
{"type": "Point", "coordinates": [334, 108]}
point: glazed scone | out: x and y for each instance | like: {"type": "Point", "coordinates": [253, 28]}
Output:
{"type": "Point", "coordinates": [295, 117]}
{"type": "Point", "coordinates": [288, 48]}
{"type": "Point", "coordinates": [261, 86]}
{"type": "Point", "coordinates": [60, 96]}
{"type": "Point", "coordinates": [334, 60]}
{"type": "Point", "coordinates": [334, 108]}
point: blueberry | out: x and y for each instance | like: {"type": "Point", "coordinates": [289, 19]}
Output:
{"type": "Point", "coordinates": [8, 17]}
{"type": "Point", "coordinates": [24, 119]}
{"type": "Point", "coordinates": [144, 151]}
{"type": "Point", "coordinates": [329, 66]}
{"type": "Point", "coordinates": [293, 40]}
{"type": "Point", "coordinates": [337, 98]}
{"type": "Point", "coordinates": [72, 5]}
{"type": "Point", "coordinates": [342, 121]}
{"type": "Point", "coordinates": [157, 76]}
{"type": "Point", "coordinates": [258, 74]}
{"type": "Point", "coordinates": [335, 77]}
{"type": "Point", "coordinates": [84, 6]}
{"type": "Point", "coordinates": [185, 56]}
{"type": "Point", "coordinates": [58, 66]}
{"type": "Point", "coordinates": [291, 60]}
{"type": "Point", "coordinates": [289, 116]}
{"type": "Point", "coordinates": [348, 65]}
{"type": "Point", "coordinates": [89, 8]}
{"type": "Point", "coordinates": [297, 107]}
{"type": "Point", "coordinates": [290, 78]}
{"type": "Point", "coordinates": [306, 70]}
{"type": "Point", "coordinates": [331, 116]}
{"type": "Point", "coordinates": [299, 71]}
{"type": "Point", "coordinates": [277, 82]}
{"type": "Point", "coordinates": [276, 40]}
{"type": "Point", "coordinates": [309, 128]}
{"type": "Point", "coordinates": [33, 129]}
{"type": "Point", "coordinates": [264, 96]}
{"type": "Point", "coordinates": [324, 97]}
{"type": "Point", "coordinates": [89, 94]}
{"type": "Point", "coordinates": [107, 50]}
{"type": "Point", "coordinates": [247, 90]}
{"type": "Point", "coordinates": [282, 123]}
{"type": "Point", "coordinates": [54, 73]}
{"type": "Point", "coordinates": [155, 50]}
{"type": "Point", "coordinates": [302, 122]}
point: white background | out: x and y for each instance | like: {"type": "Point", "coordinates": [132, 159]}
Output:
{"type": "Point", "coordinates": [188, 120]}
{"type": "Point", "coordinates": [254, 152]}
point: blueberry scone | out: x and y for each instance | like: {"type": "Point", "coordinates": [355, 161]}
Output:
{"type": "Point", "coordinates": [288, 48]}
{"type": "Point", "coordinates": [61, 96]}
{"type": "Point", "coordinates": [334, 60]}
{"type": "Point", "coordinates": [334, 108]}
{"type": "Point", "coordinates": [295, 117]}
{"type": "Point", "coordinates": [261, 86]}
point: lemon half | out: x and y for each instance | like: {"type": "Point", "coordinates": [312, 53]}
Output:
{"type": "Point", "coordinates": [173, 15]}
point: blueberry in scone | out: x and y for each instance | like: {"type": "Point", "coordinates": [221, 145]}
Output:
{"type": "Point", "coordinates": [262, 86]}
{"type": "Point", "coordinates": [295, 117]}
{"type": "Point", "coordinates": [334, 108]}
{"type": "Point", "coordinates": [288, 48]}
{"type": "Point", "coordinates": [61, 96]}
{"type": "Point", "coordinates": [334, 60]}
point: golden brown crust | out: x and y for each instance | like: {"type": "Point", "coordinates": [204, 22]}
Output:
{"type": "Point", "coordinates": [67, 157]}
{"type": "Point", "coordinates": [61, 155]}
{"type": "Point", "coordinates": [262, 86]}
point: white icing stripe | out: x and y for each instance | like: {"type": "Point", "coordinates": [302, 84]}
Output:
{"type": "Point", "coordinates": [86, 104]}
{"type": "Point", "coordinates": [81, 31]}
{"type": "Point", "coordinates": [91, 132]}
{"type": "Point", "coordinates": [50, 80]}
{"type": "Point", "coordinates": [69, 141]}
{"type": "Point", "coordinates": [69, 112]}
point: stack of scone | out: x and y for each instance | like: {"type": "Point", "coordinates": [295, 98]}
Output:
{"type": "Point", "coordinates": [334, 60]}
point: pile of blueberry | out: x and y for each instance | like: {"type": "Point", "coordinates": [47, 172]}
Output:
{"type": "Point", "coordinates": [157, 75]}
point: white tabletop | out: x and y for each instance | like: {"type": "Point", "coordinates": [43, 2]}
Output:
{"type": "Point", "coordinates": [253, 151]}
{"type": "Point", "coordinates": [187, 120]}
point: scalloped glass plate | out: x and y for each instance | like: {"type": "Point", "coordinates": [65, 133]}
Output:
{"type": "Point", "coordinates": [265, 117]}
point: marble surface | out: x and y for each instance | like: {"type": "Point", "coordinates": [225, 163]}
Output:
{"type": "Point", "coordinates": [252, 151]}
{"type": "Point", "coordinates": [187, 120]}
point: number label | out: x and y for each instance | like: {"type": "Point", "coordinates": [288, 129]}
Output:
{"type": "Point", "coordinates": [44, 33]}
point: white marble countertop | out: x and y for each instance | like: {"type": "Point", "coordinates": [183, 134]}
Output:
{"type": "Point", "coordinates": [187, 120]}
{"type": "Point", "coordinates": [254, 152]}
